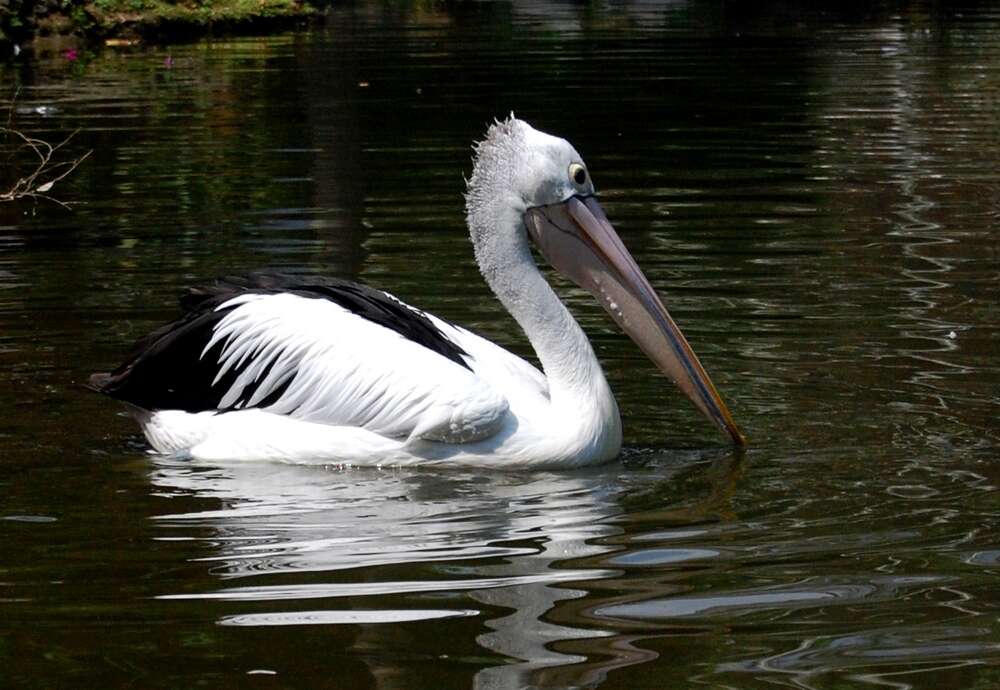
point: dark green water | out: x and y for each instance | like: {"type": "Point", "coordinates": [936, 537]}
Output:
{"type": "Point", "coordinates": [816, 197]}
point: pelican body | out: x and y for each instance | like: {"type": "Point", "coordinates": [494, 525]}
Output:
{"type": "Point", "coordinates": [271, 367]}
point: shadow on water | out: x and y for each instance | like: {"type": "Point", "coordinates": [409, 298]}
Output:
{"type": "Point", "coordinates": [815, 195]}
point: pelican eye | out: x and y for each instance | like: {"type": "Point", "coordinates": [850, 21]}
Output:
{"type": "Point", "coordinates": [578, 174]}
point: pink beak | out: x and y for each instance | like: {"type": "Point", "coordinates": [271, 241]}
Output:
{"type": "Point", "coordinates": [578, 240]}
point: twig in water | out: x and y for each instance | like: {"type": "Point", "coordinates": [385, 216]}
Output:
{"type": "Point", "coordinates": [46, 172]}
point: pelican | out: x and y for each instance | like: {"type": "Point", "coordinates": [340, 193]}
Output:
{"type": "Point", "coordinates": [324, 371]}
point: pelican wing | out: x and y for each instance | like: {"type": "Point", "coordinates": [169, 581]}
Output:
{"type": "Point", "coordinates": [337, 353]}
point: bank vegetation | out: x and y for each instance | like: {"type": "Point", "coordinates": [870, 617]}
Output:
{"type": "Point", "coordinates": [22, 21]}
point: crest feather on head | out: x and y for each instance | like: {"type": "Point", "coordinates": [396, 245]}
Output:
{"type": "Point", "coordinates": [494, 155]}
{"type": "Point", "coordinates": [498, 130]}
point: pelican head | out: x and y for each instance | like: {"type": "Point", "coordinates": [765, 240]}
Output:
{"type": "Point", "coordinates": [526, 184]}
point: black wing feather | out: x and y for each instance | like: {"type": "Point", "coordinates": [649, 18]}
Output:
{"type": "Point", "coordinates": [166, 370]}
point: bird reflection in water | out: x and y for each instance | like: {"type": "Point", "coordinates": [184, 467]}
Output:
{"type": "Point", "coordinates": [522, 557]}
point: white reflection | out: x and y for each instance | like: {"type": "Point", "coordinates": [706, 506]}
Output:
{"type": "Point", "coordinates": [411, 539]}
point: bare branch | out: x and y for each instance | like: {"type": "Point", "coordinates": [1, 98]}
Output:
{"type": "Point", "coordinates": [46, 172]}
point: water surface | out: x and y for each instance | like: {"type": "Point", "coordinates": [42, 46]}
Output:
{"type": "Point", "coordinates": [816, 197]}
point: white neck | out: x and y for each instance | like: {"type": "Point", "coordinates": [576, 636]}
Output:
{"type": "Point", "coordinates": [576, 381]}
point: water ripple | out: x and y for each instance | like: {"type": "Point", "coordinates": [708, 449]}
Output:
{"type": "Point", "coordinates": [352, 617]}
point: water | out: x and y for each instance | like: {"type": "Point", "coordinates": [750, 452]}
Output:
{"type": "Point", "coordinates": [817, 198]}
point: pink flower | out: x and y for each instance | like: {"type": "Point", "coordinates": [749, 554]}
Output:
{"type": "Point", "coordinates": [71, 54]}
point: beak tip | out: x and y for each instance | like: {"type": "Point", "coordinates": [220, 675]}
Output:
{"type": "Point", "coordinates": [739, 440]}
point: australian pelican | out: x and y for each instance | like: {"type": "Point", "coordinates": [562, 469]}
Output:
{"type": "Point", "coordinates": [272, 367]}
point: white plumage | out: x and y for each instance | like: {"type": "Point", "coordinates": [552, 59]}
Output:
{"type": "Point", "coordinates": [357, 392]}
{"type": "Point", "coordinates": [347, 371]}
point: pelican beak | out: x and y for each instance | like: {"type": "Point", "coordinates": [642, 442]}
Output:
{"type": "Point", "coordinates": [578, 240]}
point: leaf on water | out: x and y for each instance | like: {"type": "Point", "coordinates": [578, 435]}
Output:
{"type": "Point", "coordinates": [46, 187]}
